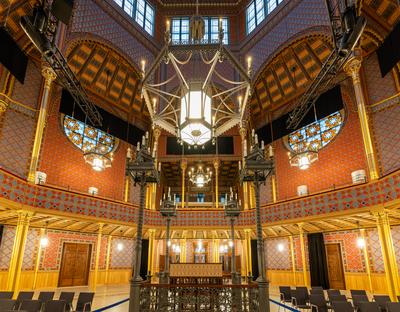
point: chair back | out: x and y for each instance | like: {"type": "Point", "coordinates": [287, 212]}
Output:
{"type": "Point", "coordinates": [316, 291]}
{"type": "Point", "coordinates": [30, 305]}
{"type": "Point", "coordinates": [300, 296]}
{"type": "Point", "coordinates": [382, 301]}
{"type": "Point", "coordinates": [333, 292]}
{"type": "Point", "coordinates": [85, 300]}
{"type": "Point", "coordinates": [317, 287]}
{"type": "Point", "coordinates": [304, 292]}
{"type": "Point", "coordinates": [342, 306]}
{"type": "Point", "coordinates": [25, 295]}
{"type": "Point", "coordinates": [358, 292]}
{"type": "Point", "coordinates": [45, 296]}
{"type": "Point", "coordinates": [357, 299]}
{"type": "Point", "coordinates": [319, 301]}
{"type": "Point", "coordinates": [393, 306]}
{"type": "Point", "coordinates": [341, 298]}
{"type": "Point", "coordinates": [6, 294]}
{"type": "Point", "coordinates": [7, 304]}
{"type": "Point", "coordinates": [68, 297]}
{"type": "Point", "coordinates": [55, 306]}
{"type": "Point", "coordinates": [286, 293]}
{"type": "Point", "coordinates": [369, 307]}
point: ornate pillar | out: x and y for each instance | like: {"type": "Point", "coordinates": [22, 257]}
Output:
{"type": "Point", "coordinates": [247, 235]}
{"type": "Point", "coordinates": [352, 68]}
{"type": "Point", "coordinates": [183, 168]}
{"type": "Point", "coordinates": [273, 186]}
{"type": "Point", "coordinates": [215, 244]}
{"type": "Point", "coordinates": [366, 260]}
{"type": "Point", "coordinates": [182, 243]}
{"type": "Point", "coordinates": [17, 255]}
{"type": "Point", "coordinates": [126, 189]}
{"type": "Point", "coordinates": [150, 261]}
{"type": "Point", "coordinates": [293, 260]}
{"type": "Point", "coordinates": [108, 256]}
{"type": "Point", "coordinates": [303, 255]}
{"type": "Point", "coordinates": [153, 187]}
{"type": "Point", "coordinates": [388, 253]}
{"type": "Point", "coordinates": [216, 167]}
{"type": "Point", "coordinates": [38, 256]}
{"type": "Point", "coordinates": [49, 76]}
{"type": "Point", "coordinates": [243, 132]}
{"type": "Point", "coordinates": [97, 259]}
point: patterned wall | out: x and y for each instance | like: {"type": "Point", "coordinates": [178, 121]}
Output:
{"type": "Point", "coordinates": [352, 256]}
{"type": "Point", "coordinates": [385, 117]}
{"type": "Point", "coordinates": [375, 252]}
{"type": "Point", "coordinates": [276, 259]}
{"type": "Point", "coordinates": [396, 240]}
{"type": "Point", "coordinates": [65, 167]}
{"type": "Point", "coordinates": [89, 17]}
{"type": "Point", "coordinates": [122, 259]}
{"type": "Point", "coordinates": [6, 247]}
{"type": "Point", "coordinates": [17, 125]}
{"type": "Point", "coordinates": [336, 161]}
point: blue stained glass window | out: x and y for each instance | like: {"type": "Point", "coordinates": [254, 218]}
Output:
{"type": "Point", "coordinates": [87, 138]}
{"type": "Point", "coordinates": [317, 134]}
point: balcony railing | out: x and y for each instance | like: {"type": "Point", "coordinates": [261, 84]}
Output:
{"type": "Point", "coordinates": [199, 297]}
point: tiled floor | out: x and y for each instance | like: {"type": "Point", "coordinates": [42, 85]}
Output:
{"type": "Point", "coordinates": [107, 295]}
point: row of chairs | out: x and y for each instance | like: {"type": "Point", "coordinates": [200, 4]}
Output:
{"type": "Point", "coordinates": [315, 300]}
{"type": "Point", "coordinates": [45, 302]}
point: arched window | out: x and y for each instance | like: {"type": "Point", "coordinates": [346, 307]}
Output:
{"type": "Point", "coordinates": [317, 134]}
{"type": "Point", "coordinates": [87, 138]}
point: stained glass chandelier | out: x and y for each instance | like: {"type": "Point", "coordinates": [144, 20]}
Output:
{"type": "Point", "coordinates": [199, 177]}
{"type": "Point", "coordinates": [201, 108]}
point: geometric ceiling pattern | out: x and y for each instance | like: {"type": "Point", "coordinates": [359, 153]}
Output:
{"type": "Point", "coordinates": [107, 75]}
{"type": "Point", "coordinates": [287, 75]}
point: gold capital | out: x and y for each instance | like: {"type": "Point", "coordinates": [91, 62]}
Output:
{"type": "Point", "coordinates": [243, 132]}
{"type": "Point", "coordinates": [49, 75]}
{"type": "Point", "coordinates": [156, 133]}
{"type": "Point", "coordinates": [183, 164]}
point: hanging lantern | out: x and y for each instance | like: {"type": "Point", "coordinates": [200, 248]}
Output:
{"type": "Point", "coordinates": [195, 116]}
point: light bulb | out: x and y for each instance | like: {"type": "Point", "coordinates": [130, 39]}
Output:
{"type": "Point", "coordinates": [44, 241]}
{"type": "Point", "coordinates": [280, 247]}
{"type": "Point", "coordinates": [360, 242]}
{"type": "Point", "coordinates": [230, 244]}
{"type": "Point", "coordinates": [120, 246]}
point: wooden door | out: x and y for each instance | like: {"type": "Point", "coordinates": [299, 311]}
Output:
{"type": "Point", "coordinates": [75, 265]}
{"type": "Point", "coordinates": [335, 266]}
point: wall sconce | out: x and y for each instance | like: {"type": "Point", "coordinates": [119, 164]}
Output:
{"type": "Point", "coordinates": [280, 247]}
{"type": "Point", "coordinates": [120, 246]}
{"type": "Point", "coordinates": [361, 242]}
{"type": "Point", "coordinates": [93, 191]}
{"type": "Point", "coordinates": [44, 241]}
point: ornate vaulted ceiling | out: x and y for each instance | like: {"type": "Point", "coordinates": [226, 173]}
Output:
{"type": "Point", "coordinates": [110, 77]}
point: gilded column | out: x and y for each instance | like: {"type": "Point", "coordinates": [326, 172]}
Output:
{"type": "Point", "coordinates": [108, 257]}
{"type": "Point", "coordinates": [366, 259]}
{"type": "Point", "coordinates": [182, 243]}
{"type": "Point", "coordinates": [17, 255]}
{"type": "Point", "coordinates": [273, 186]}
{"type": "Point", "coordinates": [49, 76]}
{"type": "Point", "coordinates": [126, 189]}
{"type": "Point", "coordinates": [388, 253]}
{"type": "Point", "coordinates": [352, 68]}
{"type": "Point", "coordinates": [303, 255]}
{"type": "Point", "coordinates": [38, 255]}
{"type": "Point", "coordinates": [150, 261]}
{"type": "Point", "coordinates": [156, 136]}
{"type": "Point", "coordinates": [216, 167]}
{"type": "Point", "coordinates": [293, 260]}
{"type": "Point", "coordinates": [243, 132]}
{"type": "Point", "coordinates": [215, 243]}
{"type": "Point", "coordinates": [183, 168]}
{"type": "Point", "coordinates": [247, 233]}
{"type": "Point", "coordinates": [97, 259]}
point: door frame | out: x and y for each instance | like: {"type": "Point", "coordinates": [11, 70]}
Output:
{"type": "Point", "coordinates": [88, 265]}
{"type": "Point", "coordinates": [341, 261]}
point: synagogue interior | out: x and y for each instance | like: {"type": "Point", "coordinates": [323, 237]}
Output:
{"type": "Point", "coordinates": [198, 155]}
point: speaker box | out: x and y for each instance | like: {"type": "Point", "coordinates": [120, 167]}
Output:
{"type": "Point", "coordinates": [12, 57]}
{"type": "Point", "coordinates": [62, 10]}
{"type": "Point", "coordinates": [389, 52]}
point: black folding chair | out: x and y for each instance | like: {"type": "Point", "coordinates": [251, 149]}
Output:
{"type": "Point", "coordinates": [23, 295]}
{"type": "Point", "coordinates": [55, 306]}
{"type": "Point", "coordinates": [318, 303]}
{"type": "Point", "coordinates": [357, 299]}
{"type": "Point", "coordinates": [7, 304]}
{"type": "Point", "coordinates": [358, 292]}
{"type": "Point", "coordinates": [300, 300]}
{"type": "Point", "coordinates": [333, 292]}
{"type": "Point", "coordinates": [341, 306]}
{"type": "Point", "coordinates": [393, 306]}
{"type": "Point", "coordinates": [68, 297]}
{"type": "Point", "coordinates": [317, 291]}
{"type": "Point", "coordinates": [30, 306]}
{"type": "Point", "coordinates": [340, 298]}
{"type": "Point", "coordinates": [304, 290]}
{"type": "Point", "coordinates": [285, 294]}
{"type": "Point", "coordinates": [382, 301]}
{"type": "Point", "coordinates": [45, 296]}
{"type": "Point", "coordinates": [369, 307]}
{"type": "Point", "coordinates": [6, 294]}
{"type": "Point", "coordinates": [84, 303]}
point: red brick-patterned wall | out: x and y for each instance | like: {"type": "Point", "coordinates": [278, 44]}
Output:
{"type": "Point", "coordinates": [336, 161]}
{"type": "Point", "coordinates": [65, 167]}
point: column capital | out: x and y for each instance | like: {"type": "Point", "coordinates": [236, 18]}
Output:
{"type": "Point", "coordinates": [216, 164]}
{"type": "Point", "coordinates": [156, 133]}
{"type": "Point", "coordinates": [184, 164]}
{"type": "Point", "coordinates": [243, 132]}
{"type": "Point", "coordinates": [353, 65]}
{"type": "Point", "coordinates": [101, 225]}
{"type": "Point", "coordinates": [48, 74]}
